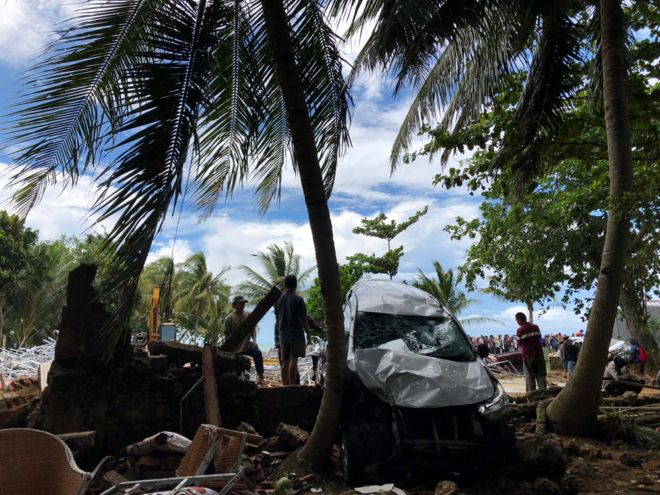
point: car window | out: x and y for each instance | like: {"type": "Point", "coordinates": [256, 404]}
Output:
{"type": "Point", "coordinates": [437, 336]}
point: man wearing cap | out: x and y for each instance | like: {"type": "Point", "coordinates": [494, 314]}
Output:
{"type": "Point", "coordinates": [246, 347]}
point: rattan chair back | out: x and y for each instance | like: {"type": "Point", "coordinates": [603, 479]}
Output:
{"type": "Point", "coordinates": [201, 451]}
{"type": "Point", "coordinates": [228, 457]}
{"type": "Point", "coordinates": [37, 462]}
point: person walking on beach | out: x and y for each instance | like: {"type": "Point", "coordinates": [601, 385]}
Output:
{"type": "Point", "coordinates": [529, 336]}
{"type": "Point", "coordinates": [292, 325]}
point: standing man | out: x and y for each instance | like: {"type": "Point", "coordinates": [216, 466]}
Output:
{"type": "Point", "coordinates": [529, 337]}
{"type": "Point", "coordinates": [292, 325]}
{"type": "Point", "coordinates": [246, 347]}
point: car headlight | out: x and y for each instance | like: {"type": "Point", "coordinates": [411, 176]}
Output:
{"type": "Point", "coordinates": [495, 406]}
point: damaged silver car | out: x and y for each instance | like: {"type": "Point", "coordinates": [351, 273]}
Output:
{"type": "Point", "coordinates": [416, 393]}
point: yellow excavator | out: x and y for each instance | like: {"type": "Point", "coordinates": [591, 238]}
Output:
{"type": "Point", "coordinates": [159, 331]}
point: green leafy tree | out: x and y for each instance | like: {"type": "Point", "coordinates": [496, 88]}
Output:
{"type": "Point", "coordinates": [445, 288]}
{"type": "Point", "coordinates": [380, 228]}
{"type": "Point", "coordinates": [16, 243]}
{"type": "Point", "coordinates": [349, 274]}
{"type": "Point", "coordinates": [551, 238]}
{"type": "Point", "coordinates": [233, 87]}
{"type": "Point", "coordinates": [40, 293]}
{"type": "Point", "coordinates": [276, 262]}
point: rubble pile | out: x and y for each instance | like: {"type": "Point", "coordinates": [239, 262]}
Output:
{"type": "Point", "coordinates": [160, 456]}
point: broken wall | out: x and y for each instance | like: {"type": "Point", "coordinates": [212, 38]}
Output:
{"type": "Point", "coordinates": [126, 403]}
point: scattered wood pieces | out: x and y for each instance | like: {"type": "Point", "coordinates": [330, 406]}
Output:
{"type": "Point", "coordinates": [184, 353]}
{"type": "Point", "coordinates": [113, 477]}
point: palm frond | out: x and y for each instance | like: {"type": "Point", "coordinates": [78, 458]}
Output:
{"type": "Point", "coordinates": [551, 81]}
{"type": "Point", "coordinates": [480, 320]}
{"type": "Point", "coordinates": [166, 87]}
{"type": "Point", "coordinates": [245, 88]}
{"type": "Point", "coordinates": [229, 123]}
{"type": "Point", "coordinates": [60, 124]}
{"type": "Point", "coordinates": [320, 66]}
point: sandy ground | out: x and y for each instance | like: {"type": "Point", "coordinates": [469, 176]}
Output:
{"type": "Point", "coordinates": [515, 385]}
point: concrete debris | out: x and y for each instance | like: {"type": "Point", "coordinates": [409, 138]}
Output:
{"type": "Point", "coordinates": [446, 488]}
{"type": "Point", "coordinates": [292, 436]}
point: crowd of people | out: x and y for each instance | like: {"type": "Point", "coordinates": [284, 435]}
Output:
{"type": "Point", "coordinates": [618, 376]}
{"type": "Point", "coordinates": [499, 344]}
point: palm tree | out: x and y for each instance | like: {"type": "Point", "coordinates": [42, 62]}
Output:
{"type": "Point", "coordinates": [201, 298]}
{"type": "Point", "coordinates": [457, 53]}
{"type": "Point", "coordinates": [277, 262]}
{"type": "Point", "coordinates": [584, 386]}
{"type": "Point", "coordinates": [220, 90]}
{"type": "Point", "coordinates": [444, 287]}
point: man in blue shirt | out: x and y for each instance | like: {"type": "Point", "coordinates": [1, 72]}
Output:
{"type": "Point", "coordinates": [292, 326]}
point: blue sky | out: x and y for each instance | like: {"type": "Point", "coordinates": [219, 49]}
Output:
{"type": "Point", "coordinates": [363, 187]}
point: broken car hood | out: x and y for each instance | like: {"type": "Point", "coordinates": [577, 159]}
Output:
{"type": "Point", "coordinates": [406, 379]}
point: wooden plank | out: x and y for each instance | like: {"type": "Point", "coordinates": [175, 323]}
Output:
{"type": "Point", "coordinates": [210, 387]}
{"type": "Point", "coordinates": [76, 435]}
{"type": "Point", "coordinates": [184, 353]}
{"type": "Point", "coordinates": [255, 317]}
{"type": "Point", "coordinates": [113, 478]}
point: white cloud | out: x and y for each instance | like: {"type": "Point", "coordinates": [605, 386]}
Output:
{"type": "Point", "coordinates": [27, 25]}
{"type": "Point", "coordinates": [161, 249]}
{"type": "Point", "coordinates": [552, 320]}
{"type": "Point", "coordinates": [228, 239]}
{"type": "Point", "coordinates": [59, 212]}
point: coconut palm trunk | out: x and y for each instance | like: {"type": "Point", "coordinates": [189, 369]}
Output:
{"type": "Point", "coordinates": [575, 408]}
{"type": "Point", "coordinates": [305, 153]}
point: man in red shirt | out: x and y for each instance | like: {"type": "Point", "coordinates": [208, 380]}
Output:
{"type": "Point", "coordinates": [532, 353]}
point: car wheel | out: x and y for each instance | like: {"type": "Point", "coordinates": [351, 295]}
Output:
{"type": "Point", "coordinates": [351, 462]}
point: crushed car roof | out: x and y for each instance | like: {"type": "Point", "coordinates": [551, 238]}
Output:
{"type": "Point", "coordinates": [387, 296]}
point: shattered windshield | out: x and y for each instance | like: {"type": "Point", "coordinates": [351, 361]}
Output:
{"type": "Point", "coordinates": [437, 336]}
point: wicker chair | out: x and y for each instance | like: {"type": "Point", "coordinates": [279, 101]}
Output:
{"type": "Point", "coordinates": [33, 461]}
{"type": "Point", "coordinates": [205, 444]}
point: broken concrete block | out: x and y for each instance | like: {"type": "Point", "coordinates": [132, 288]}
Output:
{"type": "Point", "coordinates": [446, 488]}
{"type": "Point", "coordinates": [292, 436]}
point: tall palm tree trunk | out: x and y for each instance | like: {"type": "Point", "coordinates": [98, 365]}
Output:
{"type": "Point", "coordinates": [318, 448]}
{"type": "Point", "coordinates": [575, 408]}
